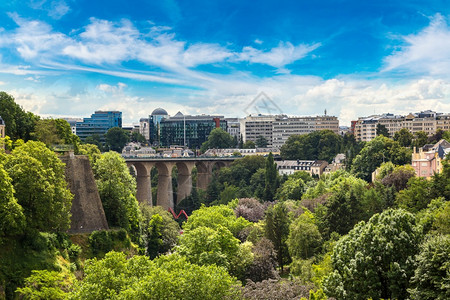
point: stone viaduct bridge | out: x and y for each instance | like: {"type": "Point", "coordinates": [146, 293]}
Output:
{"type": "Point", "coordinates": [144, 165]}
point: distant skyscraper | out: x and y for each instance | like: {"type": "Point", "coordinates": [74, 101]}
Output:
{"type": "Point", "coordinates": [98, 124]}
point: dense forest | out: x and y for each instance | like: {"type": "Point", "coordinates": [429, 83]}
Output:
{"type": "Point", "coordinates": [253, 234]}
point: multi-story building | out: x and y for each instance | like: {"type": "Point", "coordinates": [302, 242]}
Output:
{"type": "Point", "coordinates": [365, 128]}
{"type": "Point", "coordinates": [253, 127]}
{"type": "Point", "coordinates": [284, 127]}
{"type": "Point", "coordinates": [154, 125]}
{"type": "Point", "coordinates": [2, 128]}
{"type": "Point", "coordinates": [189, 131]}
{"type": "Point", "coordinates": [313, 167]}
{"type": "Point", "coordinates": [98, 124]}
{"type": "Point", "coordinates": [233, 127]}
{"type": "Point", "coordinates": [428, 159]}
{"type": "Point", "coordinates": [144, 127]}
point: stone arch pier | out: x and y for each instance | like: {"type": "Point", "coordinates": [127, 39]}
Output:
{"type": "Point", "coordinates": [144, 165]}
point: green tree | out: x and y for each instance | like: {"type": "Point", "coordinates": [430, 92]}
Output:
{"type": "Point", "coordinates": [258, 183]}
{"type": "Point", "coordinates": [261, 142]}
{"type": "Point", "coordinates": [271, 179]}
{"type": "Point", "coordinates": [249, 145]}
{"type": "Point", "coordinates": [432, 276]}
{"type": "Point", "coordinates": [12, 219]}
{"type": "Point", "coordinates": [293, 189]}
{"type": "Point", "coordinates": [416, 196]}
{"type": "Point", "coordinates": [117, 190]}
{"type": "Point", "coordinates": [420, 139]}
{"type": "Point", "coordinates": [95, 139]}
{"type": "Point", "coordinates": [323, 145]}
{"type": "Point", "coordinates": [404, 137]}
{"type": "Point", "coordinates": [344, 205]}
{"type": "Point", "coordinates": [215, 216]}
{"type": "Point", "coordinates": [19, 124]}
{"type": "Point", "coordinates": [207, 246]}
{"type": "Point", "coordinates": [45, 284]}
{"type": "Point", "coordinates": [92, 151]}
{"type": "Point", "coordinates": [277, 230]}
{"type": "Point", "coordinates": [217, 139]}
{"type": "Point", "coordinates": [375, 260]}
{"type": "Point", "coordinates": [382, 130]}
{"type": "Point", "coordinates": [167, 277]}
{"type": "Point", "coordinates": [137, 137]}
{"type": "Point", "coordinates": [117, 138]}
{"type": "Point", "coordinates": [55, 132]}
{"type": "Point", "coordinates": [159, 234]}
{"type": "Point", "coordinates": [304, 238]}
{"type": "Point", "coordinates": [379, 150]}
{"type": "Point", "coordinates": [40, 187]}
{"type": "Point", "coordinates": [229, 193]}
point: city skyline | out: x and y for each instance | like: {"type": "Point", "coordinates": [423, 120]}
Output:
{"type": "Point", "coordinates": [70, 58]}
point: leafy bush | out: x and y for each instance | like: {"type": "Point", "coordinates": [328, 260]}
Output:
{"type": "Point", "coordinates": [100, 242]}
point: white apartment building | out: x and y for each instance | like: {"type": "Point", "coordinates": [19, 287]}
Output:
{"type": "Point", "coordinates": [284, 127]}
{"type": "Point", "coordinates": [427, 121]}
{"type": "Point", "coordinates": [252, 127]}
{"type": "Point", "coordinates": [278, 128]}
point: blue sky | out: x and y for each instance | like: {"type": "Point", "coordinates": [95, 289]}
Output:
{"type": "Point", "coordinates": [352, 58]}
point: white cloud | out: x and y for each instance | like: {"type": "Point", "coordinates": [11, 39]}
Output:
{"type": "Point", "coordinates": [103, 41]}
{"type": "Point", "coordinates": [111, 88]}
{"type": "Point", "coordinates": [426, 52]}
{"type": "Point", "coordinates": [33, 39]}
{"type": "Point", "coordinates": [280, 56]}
{"type": "Point", "coordinates": [58, 9]}
{"type": "Point", "coordinates": [55, 9]}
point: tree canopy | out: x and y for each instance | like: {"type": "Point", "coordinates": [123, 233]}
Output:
{"type": "Point", "coordinates": [19, 124]}
{"type": "Point", "coordinates": [218, 139]}
{"type": "Point", "coordinates": [379, 150]}
{"type": "Point", "coordinates": [117, 138]}
{"type": "Point", "coordinates": [40, 187]}
{"type": "Point", "coordinates": [376, 259]}
{"type": "Point", "coordinates": [167, 277]}
{"type": "Point", "coordinates": [322, 145]}
{"type": "Point", "coordinates": [117, 190]}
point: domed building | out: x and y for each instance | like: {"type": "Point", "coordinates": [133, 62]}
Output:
{"type": "Point", "coordinates": [155, 121]}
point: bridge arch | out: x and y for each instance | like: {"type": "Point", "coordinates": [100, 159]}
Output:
{"type": "Point", "coordinates": [184, 188]}
{"type": "Point", "coordinates": [143, 167]}
{"type": "Point", "coordinates": [143, 182]}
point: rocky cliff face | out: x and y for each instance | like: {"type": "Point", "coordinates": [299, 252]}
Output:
{"type": "Point", "coordinates": [87, 210]}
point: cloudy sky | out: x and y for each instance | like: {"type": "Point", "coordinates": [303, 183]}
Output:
{"type": "Point", "coordinates": [352, 58]}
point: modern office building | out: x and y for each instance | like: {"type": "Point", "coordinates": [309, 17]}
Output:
{"type": "Point", "coordinates": [277, 129]}
{"type": "Point", "coordinates": [154, 125]}
{"type": "Point", "coordinates": [189, 131]}
{"type": "Point", "coordinates": [252, 127]}
{"type": "Point", "coordinates": [2, 128]}
{"type": "Point", "coordinates": [98, 124]}
{"type": "Point", "coordinates": [365, 128]}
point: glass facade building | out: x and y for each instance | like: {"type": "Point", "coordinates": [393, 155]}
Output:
{"type": "Point", "coordinates": [98, 124]}
{"type": "Point", "coordinates": [189, 131]}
